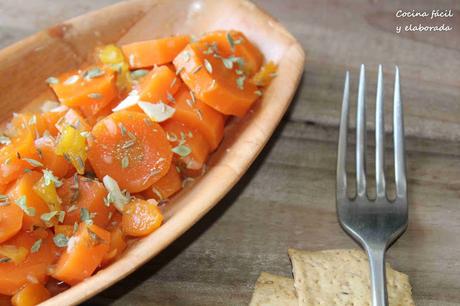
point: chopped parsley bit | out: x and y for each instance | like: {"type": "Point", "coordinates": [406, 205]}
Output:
{"type": "Point", "coordinates": [128, 144]}
{"type": "Point", "coordinates": [258, 92]}
{"type": "Point", "coordinates": [131, 135]}
{"type": "Point", "coordinates": [139, 73]}
{"type": "Point", "coordinates": [240, 82]}
{"type": "Point", "coordinates": [190, 134]}
{"type": "Point", "coordinates": [125, 162]}
{"type": "Point", "coordinates": [61, 216]}
{"type": "Point", "coordinates": [22, 203]}
{"type": "Point", "coordinates": [5, 259]}
{"type": "Point", "coordinates": [152, 173]}
{"type": "Point", "coordinates": [238, 41]}
{"type": "Point", "coordinates": [33, 162]}
{"type": "Point", "coordinates": [36, 246]}
{"type": "Point", "coordinates": [75, 227]}
{"type": "Point", "coordinates": [181, 150]}
{"type": "Point", "coordinates": [122, 129]}
{"type": "Point", "coordinates": [189, 102]}
{"type": "Point", "coordinates": [171, 137]}
{"type": "Point", "coordinates": [207, 65]}
{"type": "Point", "coordinates": [27, 170]}
{"type": "Point", "coordinates": [231, 41]}
{"type": "Point", "coordinates": [192, 95]}
{"type": "Point", "coordinates": [85, 216]}
{"type": "Point", "coordinates": [85, 134]}
{"type": "Point", "coordinates": [170, 97]}
{"type": "Point", "coordinates": [5, 140]}
{"type": "Point", "coordinates": [48, 216]}
{"type": "Point", "coordinates": [239, 72]}
{"type": "Point", "coordinates": [3, 198]}
{"type": "Point", "coordinates": [32, 120]}
{"type": "Point", "coordinates": [196, 69]}
{"type": "Point", "coordinates": [228, 62]}
{"type": "Point", "coordinates": [95, 95]}
{"type": "Point", "coordinates": [52, 80]}
{"type": "Point", "coordinates": [93, 73]}
{"type": "Point", "coordinates": [115, 195]}
{"type": "Point", "coordinates": [208, 51]}
{"type": "Point", "coordinates": [72, 80]}
{"type": "Point", "coordinates": [60, 240]}
{"type": "Point", "coordinates": [49, 178]}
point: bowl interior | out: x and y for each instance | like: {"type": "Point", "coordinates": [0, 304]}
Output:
{"type": "Point", "coordinates": [25, 66]}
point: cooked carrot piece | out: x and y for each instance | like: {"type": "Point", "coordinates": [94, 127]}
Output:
{"type": "Point", "coordinates": [154, 52]}
{"type": "Point", "coordinates": [52, 118]}
{"type": "Point", "coordinates": [90, 89]}
{"type": "Point", "coordinates": [83, 199]}
{"type": "Point", "coordinates": [196, 114]}
{"type": "Point", "coordinates": [117, 245]}
{"type": "Point", "coordinates": [228, 43]}
{"type": "Point", "coordinates": [31, 295]}
{"type": "Point", "coordinates": [22, 193]}
{"type": "Point", "coordinates": [141, 218]}
{"type": "Point", "coordinates": [73, 118]}
{"type": "Point", "coordinates": [10, 220]}
{"type": "Point", "coordinates": [212, 79]}
{"type": "Point", "coordinates": [25, 122]}
{"type": "Point", "coordinates": [131, 149]}
{"type": "Point", "coordinates": [41, 253]}
{"type": "Point", "coordinates": [166, 186]}
{"type": "Point", "coordinates": [190, 147]}
{"type": "Point", "coordinates": [84, 253]}
{"type": "Point", "coordinates": [48, 157]}
{"type": "Point", "coordinates": [14, 157]}
{"type": "Point", "coordinates": [159, 85]}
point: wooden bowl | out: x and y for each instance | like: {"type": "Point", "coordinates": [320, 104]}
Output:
{"type": "Point", "coordinates": [25, 66]}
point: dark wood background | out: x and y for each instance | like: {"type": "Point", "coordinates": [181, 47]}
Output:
{"type": "Point", "coordinates": [287, 197]}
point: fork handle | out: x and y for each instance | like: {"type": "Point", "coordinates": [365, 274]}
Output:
{"type": "Point", "coordinates": [378, 277]}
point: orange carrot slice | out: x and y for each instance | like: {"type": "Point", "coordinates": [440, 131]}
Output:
{"type": "Point", "coordinates": [52, 118]}
{"type": "Point", "coordinates": [90, 89]}
{"type": "Point", "coordinates": [235, 43]}
{"type": "Point", "coordinates": [83, 199]}
{"type": "Point", "coordinates": [196, 114]}
{"type": "Point", "coordinates": [166, 186]}
{"type": "Point", "coordinates": [189, 145]}
{"type": "Point", "coordinates": [141, 218]}
{"type": "Point", "coordinates": [159, 85]}
{"type": "Point", "coordinates": [73, 118]}
{"type": "Point", "coordinates": [117, 245]}
{"type": "Point", "coordinates": [131, 149]}
{"type": "Point", "coordinates": [10, 220]}
{"type": "Point", "coordinates": [47, 156]}
{"type": "Point", "coordinates": [22, 193]}
{"type": "Point", "coordinates": [154, 52]}
{"type": "Point", "coordinates": [35, 265]}
{"type": "Point", "coordinates": [223, 87]}
{"type": "Point", "coordinates": [30, 295]}
{"type": "Point", "coordinates": [13, 157]}
{"type": "Point", "coordinates": [84, 253]}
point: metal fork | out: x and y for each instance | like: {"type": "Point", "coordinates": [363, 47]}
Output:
{"type": "Point", "coordinates": [374, 223]}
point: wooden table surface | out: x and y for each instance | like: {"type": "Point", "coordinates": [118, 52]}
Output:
{"type": "Point", "coordinates": [287, 197]}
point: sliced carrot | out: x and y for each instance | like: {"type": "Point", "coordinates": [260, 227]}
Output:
{"type": "Point", "coordinates": [141, 218]}
{"type": "Point", "coordinates": [13, 157]}
{"type": "Point", "coordinates": [158, 85]}
{"type": "Point", "coordinates": [79, 193]}
{"type": "Point", "coordinates": [84, 253]}
{"type": "Point", "coordinates": [154, 52]}
{"type": "Point", "coordinates": [25, 122]}
{"type": "Point", "coordinates": [131, 149]}
{"type": "Point", "coordinates": [90, 89]}
{"type": "Point", "coordinates": [52, 118]}
{"type": "Point", "coordinates": [30, 295]}
{"type": "Point", "coordinates": [107, 110]}
{"type": "Point", "coordinates": [10, 220]}
{"type": "Point", "coordinates": [196, 114]}
{"type": "Point", "coordinates": [224, 89]}
{"type": "Point", "coordinates": [166, 186]}
{"type": "Point", "coordinates": [34, 267]}
{"type": "Point", "coordinates": [48, 157]}
{"type": "Point", "coordinates": [33, 206]}
{"type": "Point", "coordinates": [235, 43]}
{"type": "Point", "coordinates": [190, 146]}
{"type": "Point", "coordinates": [117, 246]}
{"type": "Point", "coordinates": [73, 118]}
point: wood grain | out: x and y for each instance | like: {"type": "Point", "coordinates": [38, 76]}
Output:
{"type": "Point", "coordinates": [287, 197]}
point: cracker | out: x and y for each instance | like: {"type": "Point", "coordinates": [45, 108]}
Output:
{"type": "Point", "coordinates": [341, 277]}
{"type": "Point", "coordinates": [274, 290]}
